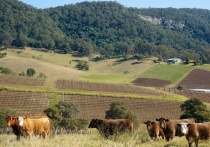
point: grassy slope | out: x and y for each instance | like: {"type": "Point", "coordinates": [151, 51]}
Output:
{"type": "Point", "coordinates": [51, 64]}
{"type": "Point", "coordinates": [167, 72]}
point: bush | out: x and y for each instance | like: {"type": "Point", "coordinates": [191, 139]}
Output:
{"type": "Point", "coordinates": [118, 111]}
{"type": "Point", "coordinates": [196, 109]}
{"type": "Point", "coordinates": [41, 75]}
{"type": "Point", "coordinates": [64, 115]}
{"type": "Point", "coordinates": [180, 88]}
{"type": "Point", "coordinates": [4, 112]}
{"type": "Point", "coordinates": [22, 74]}
{"type": "Point", "coordinates": [31, 72]}
{"type": "Point", "coordinates": [6, 71]}
{"type": "Point", "coordinates": [82, 65]}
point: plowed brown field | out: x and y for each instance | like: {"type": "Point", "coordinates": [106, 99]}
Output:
{"type": "Point", "coordinates": [197, 79]}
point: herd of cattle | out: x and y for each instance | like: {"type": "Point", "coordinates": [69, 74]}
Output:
{"type": "Point", "coordinates": [165, 128]}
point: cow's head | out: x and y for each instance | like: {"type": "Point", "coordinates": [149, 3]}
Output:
{"type": "Point", "coordinates": [11, 120]}
{"type": "Point", "coordinates": [149, 124]}
{"type": "Point", "coordinates": [184, 127]}
{"type": "Point", "coordinates": [20, 120]}
{"type": "Point", "coordinates": [93, 123]}
{"type": "Point", "coordinates": [162, 122]}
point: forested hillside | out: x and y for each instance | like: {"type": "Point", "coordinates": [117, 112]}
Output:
{"type": "Point", "coordinates": [108, 28]}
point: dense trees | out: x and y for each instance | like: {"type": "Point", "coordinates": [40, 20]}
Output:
{"type": "Point", "coordinates": [64, 115]}
{"type": "Point", "coordinates": [194, 108]}
{"type": "Point", "coordinates": [107, 28]}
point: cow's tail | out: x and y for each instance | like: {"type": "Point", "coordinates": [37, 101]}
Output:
{"type": "Point", "coordinates": [131, 127]}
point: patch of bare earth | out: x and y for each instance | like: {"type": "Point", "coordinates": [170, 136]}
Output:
{"type": "Point", "coordinates": [197, 79]}
{"type": "Point", "coordinates": [149, 82]}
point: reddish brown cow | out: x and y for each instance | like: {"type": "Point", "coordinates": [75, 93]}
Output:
{"type": "Point", "coordinates": [13, 122]}
{"type": "Point", "coordinates": [154, 130]}
{"type": "Point", "coordinates": [170, 127]}
{"type": "Point", "coordinates": [35, 126]}
{"type": "Point", "coordinates": [109, 127]}
{"type": "Point", "coordinates": [195, 132]}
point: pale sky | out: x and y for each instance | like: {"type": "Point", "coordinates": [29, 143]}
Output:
{"type": "Point", "coordinates": [201, 4]}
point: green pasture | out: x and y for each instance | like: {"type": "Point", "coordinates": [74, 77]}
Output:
{"type": "Point", "coordinates": [172, 72]}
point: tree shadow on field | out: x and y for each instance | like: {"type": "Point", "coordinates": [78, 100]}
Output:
{"type": "Point", "coordinates": [138, 62]}
{"type": "Point", "coordinates": [120, 61]}
{"type": "Point", "coordinates": [76, 60]}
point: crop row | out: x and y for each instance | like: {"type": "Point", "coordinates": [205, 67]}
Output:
{"type": "Point", "coordinates": [205, 97]}
{"type": "Point", "coordinates": [29, 103]}
{"type": "Point", "coordinates": [21, 80]}
{"type": "Point", "coordinates": [144, 109]}
{"type": "Point", "coordinates": [102, 87]}
{"type": "Point", "coordinates": [24, 103]}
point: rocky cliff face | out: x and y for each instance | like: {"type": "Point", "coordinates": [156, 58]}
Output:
{"type": "Point", "coordinates": [167, 23]}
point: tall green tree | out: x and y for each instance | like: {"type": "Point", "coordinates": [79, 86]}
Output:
{"type": "Point", "coordinates": [196, 109]}
{"type": "Point", "coordinates": [118, 111]}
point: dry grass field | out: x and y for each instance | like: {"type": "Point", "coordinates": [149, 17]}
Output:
{"type": "Point", "coordinates": [91, 138]}
{"type": "Point", "coordinates": [58, 66]}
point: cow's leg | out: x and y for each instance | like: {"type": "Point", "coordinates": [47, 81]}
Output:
{"type": "Point", "coordinates": [196, 143]}
{"type": "Point", "coordinates": [18, 137]}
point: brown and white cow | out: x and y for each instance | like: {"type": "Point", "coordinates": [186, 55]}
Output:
{"type": "Point", "coordinates": [109, 127]}
{"type": "Point", "coordinates": [13, 123]}
{"type": "Point", "coordinates": [195, 132]}
{"type": "Point", "coordinates": [154, 130]}
{"type": "Point", "coordinates": [40, 126]}
{"type": "Point", "coordinates": [170, 127]}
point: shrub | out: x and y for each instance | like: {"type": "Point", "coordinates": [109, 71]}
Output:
{"type": "Point", "coordinates": [6, 71]}
{"type": "Point", "coordinates": [180, 88]}
{"type": "Point", "coordinates": [82, 65]}
{"type": "Point", "coordinates": [118, 111]}
{"type": "Point", "coordinates": [31, 72]}
{"type": "Point", "coordinates": [196, 109]}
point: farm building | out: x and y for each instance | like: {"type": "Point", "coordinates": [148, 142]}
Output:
{"type": "Point", "coordinates": [173, 60]}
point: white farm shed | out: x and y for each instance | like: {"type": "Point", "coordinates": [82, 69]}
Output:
{"type": "Point", "coordinates": [173, 60]}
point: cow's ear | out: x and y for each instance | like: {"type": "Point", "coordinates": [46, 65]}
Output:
{"type": "Point", "coordinates": [145, 122]}
{"type": "Point", "coordinates": [167, 120]}
{"type": "Point", "coordinates": [157, 119]}
{"type": "Point", "coordinates": [188, 125]}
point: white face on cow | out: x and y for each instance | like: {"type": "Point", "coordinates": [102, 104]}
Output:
{"type": "Point", "coordinates": [20, 121]}
{"type": "Point", "coordinates": [184, 128]}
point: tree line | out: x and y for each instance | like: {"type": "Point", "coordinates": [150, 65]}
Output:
{"type": "Point", "coordinates": [107, 28]}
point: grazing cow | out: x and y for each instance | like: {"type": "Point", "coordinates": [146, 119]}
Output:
{"type": "Point", "coordinates": [109, 127]}
{"type": "Point", "coordinates": [154, 130]}
{"type": "Point", "coordinates": [35, 126]}
{"type": "Point", "coordinates": [170, 127]}
{"type": "Point", "coordinates": [195, 131]}
{"type": "Point", "coordinates": [13, 122]}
